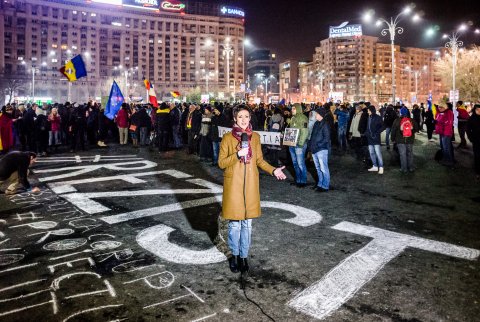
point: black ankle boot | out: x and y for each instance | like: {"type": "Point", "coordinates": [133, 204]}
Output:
{"type": "Point", "coordinates": [233, 263]}
{"type": "Point", "coordinates": [243, 265]}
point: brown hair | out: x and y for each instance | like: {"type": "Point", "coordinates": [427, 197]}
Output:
{"type": "Point", "coordinates": [239, 108]}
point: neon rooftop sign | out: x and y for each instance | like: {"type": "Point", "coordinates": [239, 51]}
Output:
{"type": "Point", "coordinates": [172, 6]}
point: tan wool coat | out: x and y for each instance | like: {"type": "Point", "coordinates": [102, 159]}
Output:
{"type": "Point", "coordinates": [241, 191]}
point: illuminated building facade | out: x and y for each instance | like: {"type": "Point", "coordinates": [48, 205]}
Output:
{"type": "Point", "coordinates": [177, 45]}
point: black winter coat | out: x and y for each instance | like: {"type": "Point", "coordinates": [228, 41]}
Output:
{"type": "Point", "coordinates": [362, 125]}
{"type": "Point", "coordinates": [320, 139]}
{"type": "Point", "coordinates": [374, 128]}
{"type": "Point", "coordinates": [473, 128]}
{"type": "Point", "coordinates": [162, 120]}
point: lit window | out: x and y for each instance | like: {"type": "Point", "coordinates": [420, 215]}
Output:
{"type": "Point", "coordinates": [54, 46]}
{"type": "Point", "coordinates": [20, 58]}
{"type": "Point", "coordinates": [54, 60]}
{"type": "Point", "coordinates": [93, 15]}
{"type": "Point", "coordinates": [74, 12]}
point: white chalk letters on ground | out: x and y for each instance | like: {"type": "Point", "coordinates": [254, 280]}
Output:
{"type": "Point", "coordinates": [343, 281]}
{"type": "Point", "coordinates": [318, 301]}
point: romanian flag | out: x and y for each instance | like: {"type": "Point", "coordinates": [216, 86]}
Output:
{"type": "Point", "coordinates": [175, 94]}
{"type": "Point", "coordinates": [152, 97]}
{"type": "Point", "coordinates": [74, 69]}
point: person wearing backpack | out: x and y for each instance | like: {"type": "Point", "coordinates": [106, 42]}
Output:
{"type": "Point", "coordinates": [403, 134]}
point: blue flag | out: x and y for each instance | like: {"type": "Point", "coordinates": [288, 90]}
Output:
{"type": "Point", "coordinates": [115, 101]}
{"type": "Point", "coordinates": [429, 101]}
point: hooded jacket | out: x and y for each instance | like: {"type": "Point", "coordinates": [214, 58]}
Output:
{"type": "Point", "coordinates": [300, 121]}
{"type": "Point", "coordinates": [374, 128]}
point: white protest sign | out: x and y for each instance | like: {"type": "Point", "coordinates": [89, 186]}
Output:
{"type": "Point", "coordinates": [271, 138]}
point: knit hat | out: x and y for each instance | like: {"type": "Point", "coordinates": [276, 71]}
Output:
{"type": "Point", "coordinates": [403, 111]}
{"type": "Point", "coordinates": [321, 110]}
{"type": "Point", "coordinates": [219, 108]}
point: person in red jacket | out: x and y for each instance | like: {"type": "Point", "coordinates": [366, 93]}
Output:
{"type": "Point", "coordinates": [122, 123]}
{"type": "Point", "coordinates": [55, 124]}
{"type": "Point", "coordinates": [6, 129]}
{"type": "Point", "coordinates": [444, 128]}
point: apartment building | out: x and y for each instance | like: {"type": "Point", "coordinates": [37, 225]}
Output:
{"type": "Point", "coordinates": [349, 66]}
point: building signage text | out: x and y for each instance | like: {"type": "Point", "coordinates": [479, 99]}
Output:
{"type": "Point", "coordinates": [172, 6]}
{"type": "Point", "coordinates": [345, 30]}
{"type": "Point", "coordinates": [230, 11]}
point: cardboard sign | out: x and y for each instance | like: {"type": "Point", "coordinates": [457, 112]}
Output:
{"type": "Point", "coordinates": [290, 137]}
{"type": "Point", "coordinates": [271, 138]}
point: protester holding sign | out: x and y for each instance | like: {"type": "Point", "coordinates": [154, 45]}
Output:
{"type": "Point", "coordinates": [300, 122]}
{"type": "Point", "coordinates": [240, 156]}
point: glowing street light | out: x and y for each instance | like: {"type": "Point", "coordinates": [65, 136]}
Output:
{"type": "Point", "coordinates": [227, 52]}
{"type": "Point", "coordinates": [454, 44]}
{"type": "Point", "coordinates": [393, 29]}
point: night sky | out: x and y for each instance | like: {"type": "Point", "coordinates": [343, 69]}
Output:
{"type": "Point", "coordinates": [292, 29]}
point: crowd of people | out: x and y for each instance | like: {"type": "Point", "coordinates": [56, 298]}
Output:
{"type": "Point", "coordinates": [357, 127]}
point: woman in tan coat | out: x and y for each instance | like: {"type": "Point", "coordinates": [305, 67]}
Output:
{"type": "Point", "coordinates": [241, 192]}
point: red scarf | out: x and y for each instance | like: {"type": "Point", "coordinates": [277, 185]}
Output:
{"type": "Point", "coordinates": [237, 133]}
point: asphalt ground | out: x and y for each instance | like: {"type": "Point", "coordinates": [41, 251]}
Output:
{"type": "Point", "coordinates": [392, 247]}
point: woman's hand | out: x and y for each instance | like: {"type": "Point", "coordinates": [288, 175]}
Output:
{"type": "Point", "coordinates": [278, 173]}
{"type": "Point", "coordinates": [242, 152]}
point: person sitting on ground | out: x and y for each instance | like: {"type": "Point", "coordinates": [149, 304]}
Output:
{"type": "Point", "coordinates": [14, 170]}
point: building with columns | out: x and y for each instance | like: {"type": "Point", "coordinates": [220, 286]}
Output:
{"type": "Point", "coordinates": [177, 45]}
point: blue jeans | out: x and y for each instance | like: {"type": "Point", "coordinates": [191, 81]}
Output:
{"type": "Point", "coordinates": [143, 135]}
{"type": "Point", "coordinates": [446, 145]}
{"type": "Point", "coordinates": [240, 237]}
{"type": "Point", "coordinates": [342, 137]}
{"type": "Point", "coordinates": [216, 148]}
{"type": "Point", "coordinates": [406, 156]}
{"type": "Point", "coordinates": [387, 135]}
{"type": "Point", "coordinates": [376, 155]}
{"type": "Point", "coordinates": [321, 164]}
{"type": "Point", "coordinates": [177, 142]}
{"type": "Point", "coordinates": [298, 159]}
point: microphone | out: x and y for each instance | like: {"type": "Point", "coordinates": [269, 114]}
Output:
{"type": "Point", "coordinates": [244, 140]}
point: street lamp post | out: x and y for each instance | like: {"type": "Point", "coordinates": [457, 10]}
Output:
{"type": "Point", "coordinates": [208, 42]}
{"type": "Point", "coordinates": [321, 76]}
{"type": "Point", "coordinates": [393, 29]}
{"type": "Point", "coordinates": [416, 73]}
{"type": "Point", "coordinates": [454, 44]}
{"type": "Point", "coordinates": [227, 51]}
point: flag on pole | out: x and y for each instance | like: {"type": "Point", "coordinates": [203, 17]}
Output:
{"type": "Point", "coordinates": [74, 69]}
{"type": "Point", "coordinates": [429, 101]}
{"type": "Point", "coordinates": [152, 97]}
{"type": "Point", "coordinates": [115, 101]}
{"type": "Point", "coordinates": [175, 94]}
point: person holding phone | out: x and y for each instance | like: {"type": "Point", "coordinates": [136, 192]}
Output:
{"type": "Point", "coordinates": [240, 157]}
